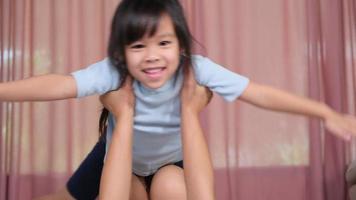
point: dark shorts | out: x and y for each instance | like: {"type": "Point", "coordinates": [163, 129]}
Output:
{"type": "Point", "coordinates": [148, 179]}
{"type": "Point", "coordinates": [84, 183]}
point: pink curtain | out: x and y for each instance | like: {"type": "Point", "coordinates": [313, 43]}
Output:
{"type": "Point", "coordinates": [307, 47]}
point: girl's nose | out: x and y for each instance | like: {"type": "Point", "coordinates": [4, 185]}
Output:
{"type": "Point", "coordinates": [152, 59]}
{"type": "Point", "coordinates": [152, 55]}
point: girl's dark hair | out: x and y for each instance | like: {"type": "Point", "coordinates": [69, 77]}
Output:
{"type": "Point", "coordinates": [133, 19]}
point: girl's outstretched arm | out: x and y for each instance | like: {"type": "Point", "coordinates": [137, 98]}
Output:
{"type": "Point", "coordinates": [116, 177]}
{"type": "Point", "coordinates": [198, 169]}
{"type": "Point", "coordinates": [39, 88]}
{"type": "Point", "coordinates": [278, 100]}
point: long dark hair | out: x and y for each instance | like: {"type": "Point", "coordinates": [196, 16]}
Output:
{"type": "Point", "coordinates": [131, 21]}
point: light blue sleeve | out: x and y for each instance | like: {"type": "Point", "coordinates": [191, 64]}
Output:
{"type": "Point", "coordinates": [227, 84]}
{"type": "Point", "coordinates": [98, 78]}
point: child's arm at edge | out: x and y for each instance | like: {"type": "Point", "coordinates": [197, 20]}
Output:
{"type": "Point", "coordinates": [39, 88]}
{"type": "Point", "coordinates": [278, 100]}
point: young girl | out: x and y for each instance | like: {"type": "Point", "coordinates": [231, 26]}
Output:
{"type": "Point", "coordinates": [151, 41]}
{"type": "Point", "coordinates": [117, 183]}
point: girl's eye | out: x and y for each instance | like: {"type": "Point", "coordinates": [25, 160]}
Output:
{"type": "Point", "coordinates": [165, 43]}
{"type": "Point", "coordinates": [137, 46]}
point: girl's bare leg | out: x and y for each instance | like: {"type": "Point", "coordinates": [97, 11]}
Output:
{"type": "Point", "coordinates": [138, 189]}
{"type": "Point", "coordinates": [168, 183]}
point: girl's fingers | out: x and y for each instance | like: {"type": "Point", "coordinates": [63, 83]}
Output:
{"type": "Point", "coordinates": [344, 134]}
{"type": "Point", "coordinates": [352, 123]}
{"type": "Point", "coordinates": [348, 136]}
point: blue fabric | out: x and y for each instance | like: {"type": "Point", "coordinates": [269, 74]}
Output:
{"type": "Point", "coordinates": [157, 139]}
{"type": "Point", "coordinates": [84, 183]}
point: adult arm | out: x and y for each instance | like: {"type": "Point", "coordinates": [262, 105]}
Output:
{"type": "Point", "coordinates": [198, 169]}
{"type": "Point", "coordinates": [116, 177]}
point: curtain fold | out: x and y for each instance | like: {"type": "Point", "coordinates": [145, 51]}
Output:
{"type": "Point", "coordinates": [305, 47]}
{"type": "Point", "coordinates": [332, 81]}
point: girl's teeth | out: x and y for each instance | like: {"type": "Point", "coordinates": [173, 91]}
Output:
{"type": "Point", "coordinates": [153, 70]}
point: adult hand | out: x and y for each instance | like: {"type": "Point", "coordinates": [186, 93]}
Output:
{"type": "Point", "coordinates": [121, 100]}
{"type": "Point", "coordinates": [193, 96]}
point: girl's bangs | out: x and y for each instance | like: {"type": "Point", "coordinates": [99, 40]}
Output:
{"type": "Point", "coordinates": [139, 25]}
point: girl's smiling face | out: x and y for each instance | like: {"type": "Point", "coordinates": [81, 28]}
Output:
{"type": "Point", "coordinates": [153, 60]}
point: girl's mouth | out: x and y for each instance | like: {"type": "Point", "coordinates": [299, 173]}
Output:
{"type": "Point", "coordinates": [155, 72]}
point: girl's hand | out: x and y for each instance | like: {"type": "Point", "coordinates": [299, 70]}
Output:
{"type": "Point", "coordinates": [341, 125]}
{"type": "Point", "coordinates": [120, 101]}
{"type": "Point", "coordinates": [193, 96]}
